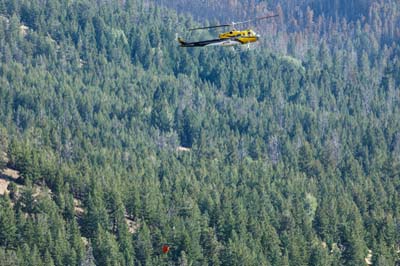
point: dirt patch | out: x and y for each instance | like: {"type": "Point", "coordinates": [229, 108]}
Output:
{"type": "Point", "coordinates": [182, 149]}
{"type": "Point", "coordinates": [10, 173]}
{"type": "Point", "coordinates": [23, 29]}
{"type": "Point", "coordinates": [78, 207]}
{"type": "Point", "coordinates": [3, 186]}
{"type": "Point", "coordinates": [368, 259]}
{"type": "Point", "coordinates": [133, 226]}
{"type": "Point", "coordinates": [4, 157]}
{"type": "Point", "coordinates": [6, 176]}
{"type": "Point", "coordinates": [85, 241]}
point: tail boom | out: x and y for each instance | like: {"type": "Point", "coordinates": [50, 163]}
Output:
{"type": "Point", "coordinates": [215, 42]}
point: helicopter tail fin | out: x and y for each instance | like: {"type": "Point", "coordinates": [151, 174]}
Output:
{"type": "Point", "coordinates": [181, 41]}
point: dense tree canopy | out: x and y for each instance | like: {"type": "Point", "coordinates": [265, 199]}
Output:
{"type": "Point", "coordinates": [288, 154]}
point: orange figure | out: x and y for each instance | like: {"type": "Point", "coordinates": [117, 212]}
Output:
{"type": "Point", "coordinates": [165, 249]}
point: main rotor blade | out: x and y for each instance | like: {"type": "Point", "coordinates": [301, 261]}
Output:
{"type": "Point", "coordinates": [259, 18]}
{"type": "Point", "coordinates": [233, 23]}
{"type": "Point", "coordinates": [211, 27]}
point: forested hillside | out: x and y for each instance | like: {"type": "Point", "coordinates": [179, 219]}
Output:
{"type": "Point", "coordinates": [304, 24]}
{"type": "Point", "coordinates": [114, 141]}
{"type": "Point", "coordinates": [335, 10]}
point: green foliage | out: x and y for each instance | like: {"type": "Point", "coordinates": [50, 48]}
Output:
{"type": "Point", "coordinates": [8, 229]}
{"type": "Point", "coordinates": [125, 141]}
{"type": "Point", "coordinates": [8, 257]}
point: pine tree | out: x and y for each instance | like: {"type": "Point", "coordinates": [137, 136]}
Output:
{"type": "Point", "coordinates": [354, 251]}
{"type": "Point", "coordinates": [105, 249]}
{"type": "Point", "coordinates": [319, 255]}
{"type": "Point", "coordinates": [47, 260]}
{"type": "Point", "coordinates": [3, 142]}
{"type": "Point", "coordinates": [8, 257]}
{"type": "Point", "coordinates": [95, 214]}
{"type": "Point", "coordinates": [27, 201]}
{"type": "Point", "coordinates": [88, 259]}
{"type": "Point", "coordinates": [211, 246]}
{"type": "Point", "coordinates": [143, 246]}
{"type": "Point", "coordinates": [8, 228]}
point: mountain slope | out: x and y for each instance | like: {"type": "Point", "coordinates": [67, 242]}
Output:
{"type": "Point", "coordinates": [231, 158]}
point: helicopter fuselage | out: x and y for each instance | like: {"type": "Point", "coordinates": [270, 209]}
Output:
{"type": "Point", "coordinates": [230, 38]}
{"type": "Point", "coordinates": [243, 36]}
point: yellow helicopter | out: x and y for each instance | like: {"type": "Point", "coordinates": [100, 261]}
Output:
{"type": "Point", "coordinates": [230, 38]}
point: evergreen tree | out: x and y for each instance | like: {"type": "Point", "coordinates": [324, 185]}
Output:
{"type": "Point", "coordinates": [285, 154]}
{"type": "Point", "coordinates": [8, 229]}
{"type": "Point", "coordinates": [143, 246]}
{"type": "Point", "coordinates": [8, 257]}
